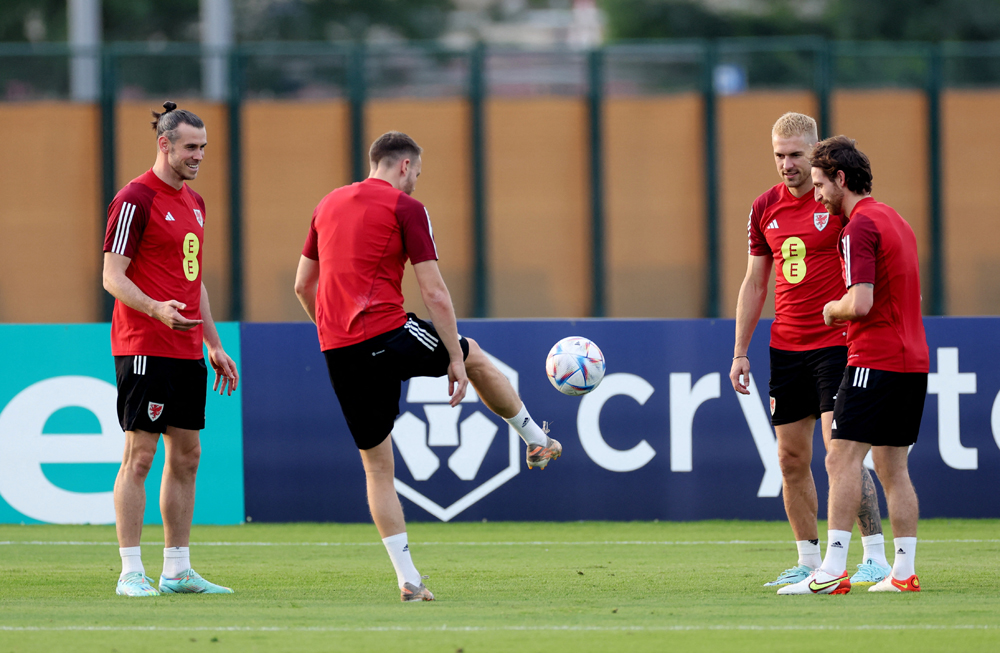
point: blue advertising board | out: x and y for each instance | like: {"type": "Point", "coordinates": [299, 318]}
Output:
{"type": "Point", "coordinates": [61, 444]}
{"type": "Point", "coordinates": [663, 437]}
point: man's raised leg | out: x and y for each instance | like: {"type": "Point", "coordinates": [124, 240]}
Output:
{"type": "Point", "coordinates": [387, 513]}
{"type": "Point", "coordinates": [182, 449]}
{"type": "Point", "coordinates": [130, 505]}
{"type": "Point", "coordinates": [500, 397]}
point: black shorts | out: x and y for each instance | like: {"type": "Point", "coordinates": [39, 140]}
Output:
{"type": "Point", "coordinates": [804, 383]}
{"type": "Point", "coordinates": [156, 392]}
{"type": "Point", "coordinates": [878, 407]}
{"type": "Point", "coordinates": [369, 375]}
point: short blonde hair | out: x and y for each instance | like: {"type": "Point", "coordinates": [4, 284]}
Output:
{"type": "Point", "coordinates": [796, 124]}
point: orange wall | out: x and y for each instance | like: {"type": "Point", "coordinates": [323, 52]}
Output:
{"type": "Point", "coordinates": [538, 196]}
{"type": "Point", "coordinates": [971, 138]}
{"type": "Point", "coordinates": [294, 153]}
{"type": "Point", "coordinates": [538, 207]}
{"type": "Point", "coordinates": [654, 202]}
{"type": "Point", "coordinates": [51, 218]}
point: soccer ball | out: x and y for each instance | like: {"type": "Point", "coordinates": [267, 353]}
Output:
{"type": "Point", "coordinates": [575, 366]}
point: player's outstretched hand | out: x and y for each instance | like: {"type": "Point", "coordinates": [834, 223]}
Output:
{"type": "Point", "coordinates": [458, 382]}
{"type": "Point", "coordinates": [169, 312]}
{"type": "Point", "coordinates": [741, 368]}
{"type": "Point", "coordinates": [227, 378]}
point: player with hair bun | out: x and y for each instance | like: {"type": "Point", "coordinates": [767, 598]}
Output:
{"type": "Point", "coordinates": [152, 266]}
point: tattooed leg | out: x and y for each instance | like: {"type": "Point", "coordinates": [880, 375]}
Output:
{"type": "Point", "coordinates": [869, 519]}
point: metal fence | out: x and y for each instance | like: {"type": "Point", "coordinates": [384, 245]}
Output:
{"type": "Point", "coordinates": [356, 72]}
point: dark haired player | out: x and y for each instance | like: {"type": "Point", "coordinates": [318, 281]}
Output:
{"type": "Point", "coordinates": [152, 265]}
{"type": "Point", "coordinates": [791, 231]}
{"type": "Point", "coordinates": [349, 282]}
{"type": "Point", "coordinates": [881, 397]}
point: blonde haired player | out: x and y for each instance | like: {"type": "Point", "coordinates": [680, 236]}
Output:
{"type": "Point", "coordinates": [792, 232]}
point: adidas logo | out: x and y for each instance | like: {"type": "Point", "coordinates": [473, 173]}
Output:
{"type": "Point", "coordinates": [525, 422]}
{"type": "Point", "coordinates": [406, 548]}
{"type": "Point", "coordinates": [773, 224]}
{"type": "Point", "coordinates": [834, 425]}
{"type": "Point", "coordinates": [837, 545]}
{"type": "Point", "coordinates": [169, 217]}
{"type": "Point", "coordinates": [901, 551]}
{"type": "Point", "coordinates": [814, 542]}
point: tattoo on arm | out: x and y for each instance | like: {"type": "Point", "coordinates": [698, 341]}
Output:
{"type": "Point", "coordinates": [869, 519]}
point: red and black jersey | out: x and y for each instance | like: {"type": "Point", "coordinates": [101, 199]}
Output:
{"type": "Point", "coordinates": [878, 247]}
{"type": "Point", "coordinates": [362, 235]}
{"type": "Point", "coordinates": [161, 229]}
{"type": "Point", "coordinates": [801, 236]}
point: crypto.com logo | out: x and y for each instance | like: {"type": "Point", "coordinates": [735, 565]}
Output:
{"type": "Point", "coordinates": [472, 438]}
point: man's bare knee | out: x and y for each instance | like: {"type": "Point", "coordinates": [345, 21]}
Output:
{"type": "Point", "coordinates": [794, 462]}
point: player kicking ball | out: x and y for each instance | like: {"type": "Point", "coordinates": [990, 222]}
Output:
{"type": "Point", "coordinates": [349, 283]}
{"type": "Point", "coordinates": [881, 397]}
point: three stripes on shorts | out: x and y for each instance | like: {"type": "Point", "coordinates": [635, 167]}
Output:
{"type": "Point", "coordinates": [861, 377]}
{"type": "Point", "coordinates": [138, 364]}
{"type": "Point", "coordinates": [421, 334]}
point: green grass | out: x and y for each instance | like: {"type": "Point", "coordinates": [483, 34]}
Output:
{"type": "Point", "coordinates": [585, 586]}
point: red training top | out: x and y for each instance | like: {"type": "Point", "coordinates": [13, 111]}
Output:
{"type": "Point", "coordinates": [162, 230]}
{"type": "Point", "coordinates": [878, 247]}
{"type": "Point", "coordinates": [362, 235]}
{"type": "Point", "coordinates": [801, 235]}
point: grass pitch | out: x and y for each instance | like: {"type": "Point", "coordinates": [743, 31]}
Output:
{"type": "Point", "coordinates": [500, 586]}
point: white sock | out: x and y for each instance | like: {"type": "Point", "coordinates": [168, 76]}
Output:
{"type": "Point", "coordinates": [837, 544]}
{"type": "Point", "coordinates": [809, 553]}
{"type": "Point", "coordinates": [902, 564]}
{"type": "Point", "coordinates": [875, 549]}
{"type": "Point", "coordinates": [399, 553]}
{"type": "Point", "coordinates": [176, 560]}
{"type": "Point", "coordinates": [530, 432]}
{"type": "Point", "coordinates": [131, 560]}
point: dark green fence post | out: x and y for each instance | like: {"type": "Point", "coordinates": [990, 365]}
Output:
{"type": "Point", "coordinates": [823, 86]}
{"type": "Point", "coordinates": [480, 259]}
{"type": "Point", "coordinates": [108, 182]}
{"type": "Point", "coordinates": [711, 181]}
{"type": "Point", "coordinates": [235, 186]}
{"type": "Point", "coordinates": [359, 149]}
{"type": "Point", "coordinates": [934, 83]}
{"type": "Point", "coordinates": [595, 101]}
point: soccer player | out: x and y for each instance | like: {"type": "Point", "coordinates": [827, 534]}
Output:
{"type": "Point", "coordinates": [791, 231]}
{"type": "Point", "coordinates": [152, 265]}
{"type": "Point", "coordinates": [881, 397]}
{"type": "Point", "coordinates": [349, 282]}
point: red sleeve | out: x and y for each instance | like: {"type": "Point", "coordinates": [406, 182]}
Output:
{"type": "Point", "coordinates": [127, 219]}
{"type": "Point", "coordinates": [755, 236]}
{"type": "Point", "coordinates": [415, 223]}
{"type": "Point", "coordinates": [311, 248]}
{"type": "Point", "coordinates": [859, 244]}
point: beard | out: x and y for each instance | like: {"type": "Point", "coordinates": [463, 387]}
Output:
{"type": "Point", "coordinates": [835, 203]}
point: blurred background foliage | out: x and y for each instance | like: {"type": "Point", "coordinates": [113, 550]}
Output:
{"type": "Point", "coordinates": [257, 20]}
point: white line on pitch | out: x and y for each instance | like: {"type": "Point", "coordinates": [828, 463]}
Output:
{"type": "Point", "coordinates": [529, 543]}
{"type": "Point", "coordinates": [446, 628]}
